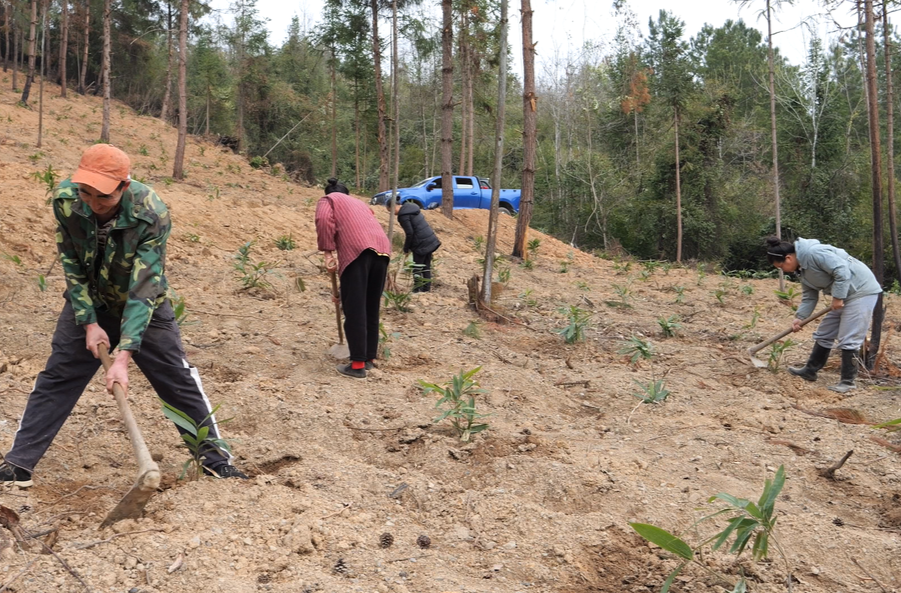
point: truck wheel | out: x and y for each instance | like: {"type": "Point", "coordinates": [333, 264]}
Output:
{"type": "Point", "coordinates": [504, 209]}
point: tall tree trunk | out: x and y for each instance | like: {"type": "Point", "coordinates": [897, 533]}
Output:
{"type": "Point", "coordinates": [167, 93]}
{"type": "Point", "coordinates": [239, 95]}
{"type": "Point", "coordinates": [529, 132]}
{"type": "Point", "coordinates": [209, 97]}
{"type": "Point", "coordinates": [178, 170]}
{"type": "Point", "coordinates": [470, 106]}
{"type": "Point", "coordinates": [16, 35]}
{"type": "Point", "coordinates": [380, 98]}
{"type": "Point", "coordinates": [447, 109]}
{"type": "Point", "coordinates": [63, 47]}
{"type": "Point", "coordinates": [356, 137]}
{"type": "Point", "coordinates": [890, 139]}
{"type": "Point", "coordinates": [771, 60]}
{"type": "Point", "coordinates": [32, 47]}
{"type": "Point", "coordinates": [465, 81]}
{"type": "Point", "coordinates": [7, 8]}
{"type": "Point", "coordinates": [86, 32]}
{"type": "Point", "coordinates": [678, 190]}
{"type": "Point", "coordinates": [105, 68]}
{"type": "Point", "coordinates": [395, 83]}
{"type": "Point", "coordinates": [491, 242]}
{"type": "Point", "coordinates": [876, 160]}
{"type": "Point", "coordinates": [334, 83]}
{"type": "Point", "coordinates": [43, 72]}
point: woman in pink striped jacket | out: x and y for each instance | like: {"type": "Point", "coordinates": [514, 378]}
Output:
{"type": "Point", "coordinates": [354, 243]}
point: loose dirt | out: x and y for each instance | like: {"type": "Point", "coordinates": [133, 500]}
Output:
{"type": "Point", "coordinates": [541, 501]}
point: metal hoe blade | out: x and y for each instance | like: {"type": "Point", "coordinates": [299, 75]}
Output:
{"type": "Point", "coordinates": [132, 504]}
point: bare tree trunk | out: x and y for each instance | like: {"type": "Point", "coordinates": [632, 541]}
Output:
{"type": "Point", "coordinates": [470, 144]}
{"type": "Point", "coordinates": [86, 32]}
{"type": "Point", "coordinates": [491, 242]}
{"type": "Point", "coordinates": [529, 132]}
{"type": "Point", "coordinates": [772, 67]}
{"type": "Point", "coordinates": [890, 139]}
{"type": "Point", "coordinates": [395, 83]}
{"type": "Point", "coordinates": [43, 73]}
{"type": "Point", "coordinates": [876, 160]}
{"type": "Point", "coordinates": [678, 191]}
{"type": "Point", "coordinates": [32, 47]}
{"type": "Point", "coordinates": [178, 170]}
{"type": "Point", "coordinates": [465, 81]}
{"type": "Point", "coordinates": [356, 138]}
{"type": "Point", "coordinates": [7, 8]}
{"type": "Point", "coordinates": [16, 36]}
{"type": "Point", "coordinates": [105, 69]}
{"type": "Point", "coordinates": [239, 94]}
{"type": "Point", "coordinates": [63, 47]}
{"type": "Point", "coordinates": [447, 109]}
{"type": "Point", "coordinates": [334, 83]}
{"type": "Point", "coordinates": [380, 98]}
{"type": "Point", "coordinates": [167, 93]}
{"type": "Point", "coordinates": [209, 96]}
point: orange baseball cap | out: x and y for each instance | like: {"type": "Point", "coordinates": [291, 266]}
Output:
{"type": "Point", "coordinates": [103, 167]}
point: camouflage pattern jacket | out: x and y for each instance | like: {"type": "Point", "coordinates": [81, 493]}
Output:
{"type": "Point", "coordinates": [128, 279]}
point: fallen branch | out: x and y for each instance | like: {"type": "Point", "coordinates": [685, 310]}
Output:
{"type": "Point", "coordinates": [829, 472]}
{"type": "Point", "coordinates": [85, 487]}
{"type": "Point", "coordinates": [860, 566]}
{"type": "Point", "coordinates": [109, 539]}
{"type": "Point", "coordinates": [347, 505]}
{"type": "Point", "coordinates": [18, 574]}
{"type": "Point", "coordinates": [585, 383]}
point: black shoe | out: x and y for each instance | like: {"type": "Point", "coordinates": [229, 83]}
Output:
{"type": "Point", "coordinates": [370, 364]}
{"type": "Point", "coordinates": [10, 475]}
{"type": "Point", "coordinates": [849, 373]}
{"type": "Point", "coordinates": [815, 362]}
{"type": "Point", "coordinates": [348, 371]}
{"type": "Point", "coordinates": [225, 470]}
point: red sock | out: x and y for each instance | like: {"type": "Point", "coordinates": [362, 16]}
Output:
{"type": "Point", "coordinates": [357, 365]}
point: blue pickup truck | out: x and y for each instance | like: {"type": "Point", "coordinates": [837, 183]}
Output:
{"type": "Point", "coordinates": [469, 192]}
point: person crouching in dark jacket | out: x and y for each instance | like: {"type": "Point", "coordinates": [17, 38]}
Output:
{"type": "Point", "coordinates": [421, 240]}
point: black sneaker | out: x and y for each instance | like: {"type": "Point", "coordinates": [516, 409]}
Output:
{"type": "Point", "coordinates": [225, 470]}
{"type": "Point", "coordinates": [10, 475]}
{"type": "Point", "coordinates": [349, 371]}
{"type": "Point", "coordinates": [370, 364]}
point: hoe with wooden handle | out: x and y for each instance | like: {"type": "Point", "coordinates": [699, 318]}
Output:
{"type": "Point", "coordinates": [132, 505]}
{"type": "Point", "coordinates": [754, 350]}
{"type": "Point", "coordinates": [340, 350]}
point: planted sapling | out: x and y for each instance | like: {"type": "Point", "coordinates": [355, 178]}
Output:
{"type": "Point", "coordinates": [459, 395]}
{"type": "Point", "coordinates": [578, 322]}
{"type": "Point", "coordinates": [653, 392]}
{"type": "Point", "coordinates": [637, 348]}
{"type": "Point", "coordinates": [669, 325]}
{"type": "Point", "coordinates": [197, 439]}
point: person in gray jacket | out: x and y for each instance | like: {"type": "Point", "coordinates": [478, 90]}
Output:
{"type": "Point", "coordinates": [854, 290]}
{"type": "Point", "coordinates": [420, 239]}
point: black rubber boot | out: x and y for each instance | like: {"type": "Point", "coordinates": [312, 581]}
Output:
{"type": "Point", "coordinates": [817, 360]}
{"type": "Point", "coordinates": [849, 372]}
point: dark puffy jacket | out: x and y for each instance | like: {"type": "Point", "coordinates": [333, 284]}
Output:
{"type": "Point", "coordinates": [421, 239]}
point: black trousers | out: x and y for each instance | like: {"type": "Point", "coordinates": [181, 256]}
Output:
{"type": "Point", "coordinates": [71, 367]}
{"type": "Point", "coordinates": [362, 284]}
{"type": "Point", "coordinates": [422, 272]}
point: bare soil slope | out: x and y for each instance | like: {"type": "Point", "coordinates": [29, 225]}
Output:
{"type": "Point", "coordinates": [539, 502]}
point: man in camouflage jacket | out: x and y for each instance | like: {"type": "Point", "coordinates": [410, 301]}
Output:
{"type": "Point", "coordinates": [111, 235]}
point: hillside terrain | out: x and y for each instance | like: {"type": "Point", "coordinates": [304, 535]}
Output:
{"type": "Point", "coordinates": [540, 502]}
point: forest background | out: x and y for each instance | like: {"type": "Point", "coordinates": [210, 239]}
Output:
{"type": "Point", "coordinates": [606, 169]}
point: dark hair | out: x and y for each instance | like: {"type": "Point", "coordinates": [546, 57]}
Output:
{"type": "Point", "coordinates": [332, 186]}
{"type": "Point", "coordinates": [777, 249]}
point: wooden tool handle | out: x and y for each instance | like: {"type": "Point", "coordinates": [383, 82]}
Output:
{"type": "Point", "coordinates": [145, 461]}
{"type": "Point", "coordinates": [334, 278]}
{"type": "Point", "coordinates": [781, 335]}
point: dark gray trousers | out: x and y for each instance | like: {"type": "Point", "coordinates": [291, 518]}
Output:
{"type": "Point", "coordinates": [71, 367]}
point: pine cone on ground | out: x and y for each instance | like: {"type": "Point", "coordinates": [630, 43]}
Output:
{"type": "Point", "coordinates": [341, 567]}
{"type": "Point", "coordinates": [423, 542]}
{"type": "Point", "coordinates": [386, 540]}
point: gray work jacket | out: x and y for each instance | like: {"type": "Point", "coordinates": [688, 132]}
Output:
{"type": "Point", "coordinates": [830, 270]}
